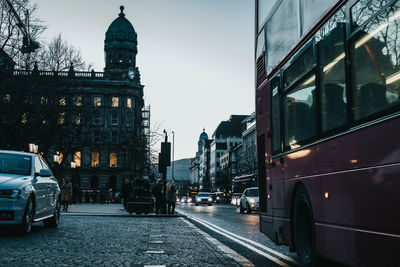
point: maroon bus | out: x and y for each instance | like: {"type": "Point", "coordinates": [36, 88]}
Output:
{"type": "Point", "coordinates": [239, 184]}
{"type": "Point", "coordinates": [328, 124]}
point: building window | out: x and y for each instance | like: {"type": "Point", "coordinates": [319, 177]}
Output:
{"type": "Point", "coordinates": [78, 101]}
{"type": "Point", "coordinates": [96, 136]}
{"type": "Point", "coordinates": [114, 117]}
{"type": "Point", "coordinates": [60, 156]}
{"type": "Point", "coordinates": [97, 101]}
{"type": "Point", "coordinates": [61, 118]}
{"type": "Point", "coordinates": [78, 118]}
{"type": "Point", "coordinates": [62, 101]}
{"type": "Point", "coordinates": [114, 136]}
{"type": "Point", "coordinates": [96, 118]}
{"type": "Point", "coordinates": [115, 102]}
{"type": "Point", "coordinates": [24, 118]}
{"type": "Point", "coordinates": [43, 100]}
{"type": "Point", "coordinates": [113, 159]}
{"type": "Point", "coordinates": [7, 98]}
{"type": "Point", "coordinates": [128, 119]}
{"type": "Point", "coordinates": [77, 158]}
{"type": "Point", "coordinates": [129, 102]}
{"type": "Point", "coordinates": [95, 159]}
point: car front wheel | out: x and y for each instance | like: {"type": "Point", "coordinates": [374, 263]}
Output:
{"type": "Point", "coordinates": [27, 219]}
{"type": "Point", "coordinates": [54, 221]}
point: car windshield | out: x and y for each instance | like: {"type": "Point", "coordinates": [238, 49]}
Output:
{"type": "Point", "coordinates": [253, 192]}
{"type": "Point", "coordinates": [203, 195]}
{"type": "Point", "coordinates": [15, 164]}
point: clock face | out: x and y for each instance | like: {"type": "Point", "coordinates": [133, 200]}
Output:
{"type": "Point", "coordinates": [131, 74]}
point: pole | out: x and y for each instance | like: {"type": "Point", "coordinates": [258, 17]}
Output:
{"type": "Point", "coordinates": [173, 147]}
{"type": "Point", "coordinates": [164, 182]}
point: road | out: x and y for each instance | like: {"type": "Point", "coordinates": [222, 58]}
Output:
{"type": "Point", "coordinates": [238, 231]}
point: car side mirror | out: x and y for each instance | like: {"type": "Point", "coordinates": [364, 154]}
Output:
{"type": "Point", "coordinates": [44, 173]}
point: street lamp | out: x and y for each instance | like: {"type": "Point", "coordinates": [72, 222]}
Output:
{"type": "Point", "coordinates": [73, 164]}
{"type": "Point", "coordinates": [173, 146]}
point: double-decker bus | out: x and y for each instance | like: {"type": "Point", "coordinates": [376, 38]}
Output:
{"type": "Point", "coordinates": [239, 184]}
{"type": "Point", "coordinates": [328, 124]}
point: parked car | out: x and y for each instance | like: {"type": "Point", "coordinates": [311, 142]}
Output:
{"type": "Point", "coordinates": [203, 198]}
{"type": "Point", "coordinates": [29, 192]}
{"type": "Point", "coordinates": [249, 200]}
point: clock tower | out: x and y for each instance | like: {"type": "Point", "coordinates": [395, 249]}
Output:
{"type": "Point", "coordinates": [120, 48]}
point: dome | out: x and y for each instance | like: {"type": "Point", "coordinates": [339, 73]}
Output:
{"type": "Point", "coordinates": [121, 30]}
{"type": "Point", "coordinates": [203, 136]}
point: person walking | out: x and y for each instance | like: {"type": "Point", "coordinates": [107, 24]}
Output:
{"type": "Point", "coordinates": [157, 193]}
{"type": "Point", "coordinates": [171, 198]}
{"type": "Point", "coordinates": [66, 193]}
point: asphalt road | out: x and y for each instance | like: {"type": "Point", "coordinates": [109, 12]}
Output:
{"type": "Point", "coordinates": [238, 231]}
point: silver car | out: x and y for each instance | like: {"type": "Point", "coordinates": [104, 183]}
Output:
{"type": "Point", "coordinates": [249, 200]}
{"type": "Point", "coordinates": [29, 192]}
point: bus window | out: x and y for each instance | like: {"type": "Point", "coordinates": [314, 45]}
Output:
{"type": "Point", "coordinates": [376, 64]}
{"type": "Point", "coordinates": [300, 113]}
{"type": "Point", "coordinates": [331, 56]}
{"type": "Point", "coordinates": [276, 117]}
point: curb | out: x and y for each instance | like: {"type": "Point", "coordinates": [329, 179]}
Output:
{"type": "Point", "coordinates": [121, 215]}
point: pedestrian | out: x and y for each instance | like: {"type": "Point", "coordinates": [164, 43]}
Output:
{"type": "Point", "coordinates": [126, 190]}
{"type": "Point", "coordinates": [75, 193]}
{"type": "Point", "coordinates": [94, 196]}
{"type": "Point", "coordinates": [157, 193]}
{"type": "Point", "coordinates": [171, 198]}
{"type": "Point", "coordinates": [66, 193]}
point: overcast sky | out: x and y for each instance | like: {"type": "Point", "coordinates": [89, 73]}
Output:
{"type": "Point", "coordinates": [195, 56]}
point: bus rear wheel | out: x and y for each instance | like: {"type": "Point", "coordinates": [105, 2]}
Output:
{"type": "Point", "coordinates": [303, 228]}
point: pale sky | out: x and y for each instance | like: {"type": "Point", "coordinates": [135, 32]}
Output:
{"type": "Point", "coordinates": [196, 57]}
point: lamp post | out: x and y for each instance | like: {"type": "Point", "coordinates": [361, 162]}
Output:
{"type": "Point", "coordinates": [173, 147]}
{"type": "Point", "coordinates": [73, 164]}
{"type": "Point", "coordinates": [33, 148]}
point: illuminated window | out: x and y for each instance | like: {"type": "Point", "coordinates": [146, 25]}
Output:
{"type": "Point", "coordinates": [77, 158]}
{"type": "Point", "coordinates": [60, 156]}
{"type": "Point", "coordinates": [62, 101]}
{"type": "Point", "coordinates": [95, 159]}
{"type": "Point", "coordinates": [78, 101]}
{"type": "Point", "coordinates": [24, 117]}
{"type": "Point", "coordinates": [78, 118]}
{"type": "Point", "coordinates": [97, 101]}
{"type": "Point", "coordinates": [115, 102]}
{"type": "Point", "coordinates": [7, 98]}
{"type": "Point", "coordinates": [61, 118]}
{"type": "Point", "coordinates": [43, 100]}
{"type": "Point", "coordinates": [113, 159]}
{"type": "Point", "coordinates": [129, 102]}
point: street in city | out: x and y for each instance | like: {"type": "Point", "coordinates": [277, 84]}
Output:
{"type": "Point", "coordinates": [106, 235]}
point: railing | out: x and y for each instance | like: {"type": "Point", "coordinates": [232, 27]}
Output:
{"type": "Point", "coordinates": [69, 74]}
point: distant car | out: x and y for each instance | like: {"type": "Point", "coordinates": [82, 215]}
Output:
{"type": "Point", "coordinates": [185, 200]}
{"type": "Point", "coordinates": [249, 200]}
{"type": "Point", "coordinates": [29, 192]}
{"type": "Point", "coordinates": [203, 198]}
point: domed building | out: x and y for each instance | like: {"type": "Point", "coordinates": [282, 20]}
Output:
{"type": "Point", "coordinates": [200, 164]}
{"type": "Point", "coordinates": [101, 133]}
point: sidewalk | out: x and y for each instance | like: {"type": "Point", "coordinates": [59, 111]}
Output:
{"type": "Point", "coordinates": [116, 210]}
{"type": "Point", "coordinates": [152, 240]}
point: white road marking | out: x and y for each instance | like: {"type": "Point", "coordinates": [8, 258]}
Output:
{"type": "Point", "coordinates": [154, 251]}
{"type": "Point", "coordinates": [240, 239]}
{"type": "Point", "coordinates": [156, 242]}
{"type": "Point", "coordinates": [154, 265]}
{"type": "Point", "coordinates": [228, 251]}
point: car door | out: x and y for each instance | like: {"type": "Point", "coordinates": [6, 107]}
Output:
{"type": "Point", "coordinates": [51, 195]}
{"type": "Point", "coordinates": [40, 186]}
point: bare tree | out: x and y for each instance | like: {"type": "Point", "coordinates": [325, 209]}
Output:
{"type": "Point", "coordinates": [59, 55]}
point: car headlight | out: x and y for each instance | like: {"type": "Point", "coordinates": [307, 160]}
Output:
{"type": "Point", "coordinates": [189, 200]}
{"type": "Point", "coordinates": [209, 199]}
{"type": "Point", "coordinates": [251, 201]}
{"type": "Point", "coordinates": [198, 199]}
{"type": "Point", "coordinates": [217, 198]}
{"type": "Point", "coordinates": [10, 193]}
